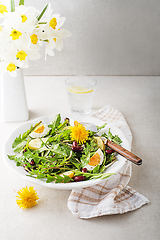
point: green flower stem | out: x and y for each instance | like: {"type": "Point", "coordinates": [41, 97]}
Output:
{"type": "Point", "coordinates": [12, 6]}
{"type": "Point", "coordinates": [42, 23]}
{"type": "Point", "coordinates": [21, 2]}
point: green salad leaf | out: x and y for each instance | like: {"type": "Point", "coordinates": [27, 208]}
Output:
{"type": "Point", "coordinates": [18, 143]}
{"type": "Point", "coordinates": [111, 137]}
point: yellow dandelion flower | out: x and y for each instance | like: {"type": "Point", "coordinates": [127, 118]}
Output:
{"type": "Point", "coordinates": [27, 197]}
{"type": "Point", "coordinates": [79, 133]}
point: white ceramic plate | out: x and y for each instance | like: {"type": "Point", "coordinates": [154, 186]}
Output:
{"type": "Point", "coordinates": [115, 168]}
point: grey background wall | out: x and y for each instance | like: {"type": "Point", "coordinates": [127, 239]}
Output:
{"type": "Point", "coordinates": [109, 37]}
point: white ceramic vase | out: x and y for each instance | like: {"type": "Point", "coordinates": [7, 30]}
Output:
{"type": "Point", "coordinates": [13, 98]}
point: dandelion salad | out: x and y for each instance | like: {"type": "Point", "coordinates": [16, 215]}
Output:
{"type": "Point", "coordinates": [61, 153]}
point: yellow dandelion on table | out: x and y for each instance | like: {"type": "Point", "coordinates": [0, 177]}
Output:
{"type": "Point", "coordinates": [27, 197]}
{"type": "Point", "coordinates": [79, 133]}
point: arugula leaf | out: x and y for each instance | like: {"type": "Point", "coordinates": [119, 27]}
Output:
{"type": "Point", "coordinates": [101, 127]}
{"type": "Point", "coordinates": [96, 169]}
{"type": "Point", "coordinates": [19, 147]}
{"type": "Point", "coordinates": [66, 134]}
{"type": "Point", "coordinates": [17, 141]}
{"type": "Point", "coordinates": [50, 179]}
{"type": "Point", "coordinates": [88, 152]}
{"type": "Point", "coordinates": [57, 120]}
{"type": "Point", "coordinates": [12, 157]}
{"type": "Point", "coordinates": [111, 137]}
{"type": "Point", "coordinates": [85, 160]}
{"type": "Point", "coordinates": [37, 158]}
{"type": "Point", "coordinates": [19, 160]}
{"type": "Point", "coordinates": [56, 148]}
{"type": "Point", "coordinates": [67, 179]}
{"type": "Point", "coordinates": [55, 123]}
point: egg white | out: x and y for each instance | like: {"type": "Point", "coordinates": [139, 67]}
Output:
{"type": "Point", "coordinates": [35, 144]}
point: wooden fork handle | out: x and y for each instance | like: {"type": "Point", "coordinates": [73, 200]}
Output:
{"type": "Point", "coordinates": [124, 152]}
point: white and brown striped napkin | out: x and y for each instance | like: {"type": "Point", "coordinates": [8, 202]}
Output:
{"type": "Point", "coordinates": [112, 196]}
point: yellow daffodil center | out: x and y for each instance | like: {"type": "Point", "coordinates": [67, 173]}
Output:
{"type": "Point", "coordinates": [79, 133]}
{"type": "Point", "coordinates": [53, 23]}
{"type": "Point", "coordinates": [24, 18]}
{"type": "Point", "coordinates": [3, 9]}
{"type": "Point", "coordinates": [21, 55]}
{"type": "Point", "coordinates": [15, 34]}
{"type": "Point", "coordinates": [27, 197]}
{"type": "Point", "coordinates": [11, 67]}
{"type": "Point", "coordinates": [54, 39]}
{"type": "Point", "coordinates": [34, 38]}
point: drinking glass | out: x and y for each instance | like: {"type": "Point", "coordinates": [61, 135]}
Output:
{"type": "Point", "coordinates": [80, 90]}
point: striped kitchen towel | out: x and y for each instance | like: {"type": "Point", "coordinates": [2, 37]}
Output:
{"type": "Point", "coordinates": [112, 196]}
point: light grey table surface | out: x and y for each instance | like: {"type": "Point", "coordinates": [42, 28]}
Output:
{"type": "Point", "coordinates": [138, 98]}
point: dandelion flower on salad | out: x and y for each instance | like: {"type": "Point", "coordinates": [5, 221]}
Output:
{"type": "Point", "coordinates": [79, 133]}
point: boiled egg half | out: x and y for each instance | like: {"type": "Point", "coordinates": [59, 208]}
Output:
{"type": "Point", "coordinates": [95, 160]}
{"type": "Point", "coordinates": [40, 131]}
{"type": "Point", "coordinates": [68, 173]}
{"type": "Point", "coordinates": [35, 144]}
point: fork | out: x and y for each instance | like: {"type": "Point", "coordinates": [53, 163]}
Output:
{"type": "Point", "coordinates": [117, 148]}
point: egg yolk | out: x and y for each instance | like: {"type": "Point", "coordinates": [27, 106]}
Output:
{"type": "Point", "coordinates": [71, 175]}
{"type": "Point", "coordinates": [94, 160]}
{"type": "Point", "coordinates": [40, 129]}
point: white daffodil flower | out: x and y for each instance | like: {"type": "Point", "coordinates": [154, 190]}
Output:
{"type": "Point", "coordinates": [54, 21]}
{"type": "Point", "coordinates": [27, 11]}
{"type": "Point", "coordinates": [9, 64]}
{"type": "Point", "coordinates": [25, 53]}
{"type": "Point", "coordinates": [4, 38]}
{"type": "Point", "coordinates": [51, 32]}
{"type": "Point", "coordinates": [43, 34]}
{"type": "Point", "coordinates": [54, 39]}
{"type": "Point", "coordinates": [14, 32]}
{"type": "Point", "coordinates": [28, 17]}
{"type": "Point", "coordinates": [16, 23]}
{"type": "Point", "coordinates": [58, 38]}
{"type": "Point", "coordinates": [4, 8]}
{"type": "Point", "coordinates": [23, 32]}
{"type": "Point", "coordinates": [21, 53]}
{"type": "Point", "coordinates": [50, 45]}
